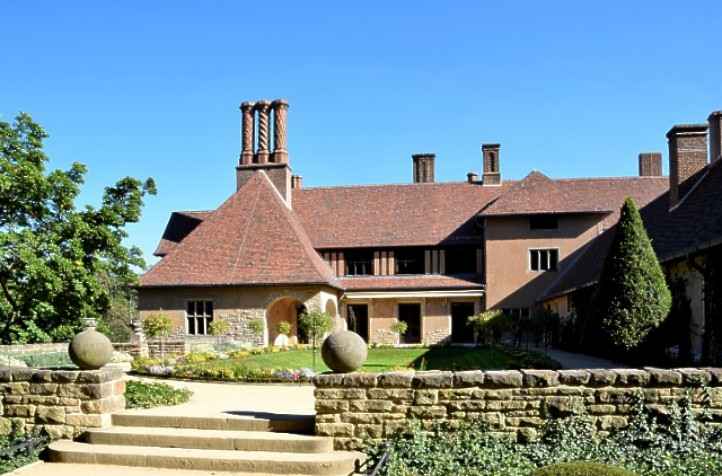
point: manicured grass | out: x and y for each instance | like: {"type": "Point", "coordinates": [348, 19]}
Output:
{"type": "Point", "coordinates": [420, 358]}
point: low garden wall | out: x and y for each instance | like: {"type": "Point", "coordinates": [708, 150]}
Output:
{"type": "Point", "coordinates": [357, 406]}
{"type": "Point", "coordinates": [16, 349]}
{"type": "Point", "coordinates": [63, 402]}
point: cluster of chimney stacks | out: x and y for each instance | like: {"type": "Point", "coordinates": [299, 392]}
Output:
{"type": "Point", "coordinates": [256, 116]}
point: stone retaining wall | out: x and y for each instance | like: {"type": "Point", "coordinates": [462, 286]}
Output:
{"type": "Point", "coordinates": [63, 402]}
{"type": "Point", "coordinates": [353, 407]}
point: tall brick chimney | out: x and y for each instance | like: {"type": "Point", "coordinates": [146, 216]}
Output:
{"type": "Point", "coordinates": [492, 170]}
{"type": "Point", "coordinates": [423, 168]}
{"type": "Point", "coordinates": [715, 135]}
{"type": "Point", "coordinates": [687, 155]}
{"type": "Point", "coordinates": [270, 119]}
{"type": "Point", "coordinates": [650, 164]}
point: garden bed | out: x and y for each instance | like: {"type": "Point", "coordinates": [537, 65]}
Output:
{"type": "Point", "coordinates": [296, 364]}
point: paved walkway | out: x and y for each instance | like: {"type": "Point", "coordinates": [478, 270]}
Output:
{"type": "Point", "coordinates": [69, 469]}
{"type": "Point", "coordinates": [571, 360]}
{"type": "Point", "coordinates": [238, 400]}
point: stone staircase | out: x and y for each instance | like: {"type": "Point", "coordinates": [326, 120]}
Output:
{"type": "Point", "coordinates": [240, 445]}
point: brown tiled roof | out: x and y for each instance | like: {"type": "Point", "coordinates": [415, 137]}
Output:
{"type": "Point", "coordinates": [393, 215]}
{"type": "Point", "coordinates": [415, 282]}
{"type": "Point", "coordinates": [695, 224]}
{"type": "Point", "coordinates": [179, 226]}
{"type": "Point", "coordinates": [537, 193]}
{"type": "Point", "coordinates": [251, 239]}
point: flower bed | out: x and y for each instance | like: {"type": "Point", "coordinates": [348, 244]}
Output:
{"type": "Point", "coordinates": [294, 364]}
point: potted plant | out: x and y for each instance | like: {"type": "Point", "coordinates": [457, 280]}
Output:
{"type": "Point", "coordinates": [399, 328]}
{"type": "Point", "coordinates": [284, 333]}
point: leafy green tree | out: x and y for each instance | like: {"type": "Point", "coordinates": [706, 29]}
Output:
{"type": "Point", "coordinates": [633, 297]}
{"type": "Point", "coordinates": [52, 254]}
{"type": "Point", "coordinates": [400, 328]}
{"type": "Point", "coordinates": [315, 324]}
{"type": "Point", "coordinates": [488, 326]}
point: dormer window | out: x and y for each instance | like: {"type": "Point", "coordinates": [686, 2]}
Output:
{"type": "Point", "coordinates": [543, 222]}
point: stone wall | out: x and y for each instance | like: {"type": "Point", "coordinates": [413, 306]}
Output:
{"type": "Point", "coordinates": [33, 348]}
{"type": "Point", "coordinates": [355, 406]}
{"type": "Point", "coordinates": [63, 402]}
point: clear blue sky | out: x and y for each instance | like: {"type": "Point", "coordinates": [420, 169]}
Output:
{"type": "Point", "coordinates": [153, 88]}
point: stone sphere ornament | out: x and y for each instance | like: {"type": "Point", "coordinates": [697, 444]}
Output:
{"type": "Point", "coordinates": [89, 349]}
{"type": "Point", "coordinates": [344, 351]}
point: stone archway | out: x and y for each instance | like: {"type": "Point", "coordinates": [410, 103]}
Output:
{"type": "Point", "coordinates": [283, 309]}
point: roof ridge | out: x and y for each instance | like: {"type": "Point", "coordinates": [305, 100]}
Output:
{"type": "Point", "coordinates": [425, 184]}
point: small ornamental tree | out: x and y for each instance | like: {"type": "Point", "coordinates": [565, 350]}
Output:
{"type": "Point", "coordinates": [315, 324]}
{"type": "Point", "coordinates": [488, 326]}
{"type": "Point", "coordinates": [399, 328]}
{"type": "Point", "coordinates": [633, 297]}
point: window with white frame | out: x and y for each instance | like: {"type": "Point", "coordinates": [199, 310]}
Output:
{"type": "Point", "coordinates": [199, 315]}
{"type": "Point", "coordinates": [544, 259]}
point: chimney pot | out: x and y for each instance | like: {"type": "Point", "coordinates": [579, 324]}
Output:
{"type": "Point", "coordinates": [423, 167]}
{"type": "Point", "coordinates": [472, 177]}
{"type": "Point", "coordinates": [296, 182]}
{"type": "Point", "coordinates": [687, 156]}
{"type": "Point", "coordinates": [715, 135]}
{"type": "Point", "coordinates": [247, 132]}
{"type": "Point", "coordinates": [650, 164]}
{"type": "Point", "coordinates": [263, 107]}
{"type": "Point", "coordinates": [492, 168]}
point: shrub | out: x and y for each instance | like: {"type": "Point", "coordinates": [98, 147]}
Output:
{"type": "Point", "coordinates": [219, 327]}
{"type": "Point", "coordinates": [18, 449]}
{"type": "Point", "coordinates": [581, 468]}
{"type": "Point", "coordinates": [489, 325]}
{"type": "Point", "coordinates": [157, 325]}
{"type": "Point", "coordinates": [256, 326]}
{"type": "Point", "coordinates": [399, 327]}
{"type": "Point", "coordinates": [633, 296]}
{"type": "Point", "coordinates": [284, 327]}
{"type": "Point", "coordinates": [149, 395]}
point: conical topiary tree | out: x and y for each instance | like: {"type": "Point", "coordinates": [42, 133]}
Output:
{"type": "Point", "coordinates": [633, 297]}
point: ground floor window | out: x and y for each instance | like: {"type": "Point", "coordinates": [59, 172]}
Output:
{"type": "Point", "coordinates": [199, 315]}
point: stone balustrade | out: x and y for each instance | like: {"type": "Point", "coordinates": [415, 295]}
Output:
{"type": "Point", "coordinates": [62, 402]}
{"type": "Point", "coordinates": [357, 406]}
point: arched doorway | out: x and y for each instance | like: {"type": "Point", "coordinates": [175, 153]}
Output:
{"type": "Point", "coordinates": [284, 309]}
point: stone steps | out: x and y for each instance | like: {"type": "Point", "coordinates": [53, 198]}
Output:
{"type": "Point", "coordinates": [208, 439]}
{"type": "Point", "coordinates": [323, 464]}
{"type": "Point", "coordinates": [302, 424]}
{"type": "Point", "coordinates": [257, 446]}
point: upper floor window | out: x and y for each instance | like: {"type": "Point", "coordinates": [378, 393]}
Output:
{"type": "Point", "coordinates": [461, 260]}
{"type": "Point", "coordinates": [409, 260]}
{"type": "Point", "coordinates": [199, 315]}
{"type": "Point", "coordinates": [543, 222]}
{"type": "Point", "coordinates": [359, 262]}
{"type": "Point", "coordinates": [544, 259]}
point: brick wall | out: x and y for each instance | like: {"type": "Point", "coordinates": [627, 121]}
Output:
{"type": "Point", "coordinates": [63, 402]}
{"type": "Point", "coordinates": [355, 406]}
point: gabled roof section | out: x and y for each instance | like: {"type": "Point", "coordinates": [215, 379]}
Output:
{"type": "Point", "coordinates": [179, 226]}
{"type": "Point", "coordinates": [423, 214]}
{"type": "Point", "coordinates": [538, 194]}
{"type": "Point", "coordinates": [253, 238]}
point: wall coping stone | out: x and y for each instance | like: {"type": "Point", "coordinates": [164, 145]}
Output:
{"type": "Point", "coordinates": [645, 377]}
{"type": "Point", "coordinates": [26, 374]}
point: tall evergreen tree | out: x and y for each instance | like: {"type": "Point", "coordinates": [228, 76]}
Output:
{"type": "Point", "coordinates": [633, 296]}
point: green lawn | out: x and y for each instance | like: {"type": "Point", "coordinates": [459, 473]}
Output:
{"type": "Point", "coordinates": [422, 358]}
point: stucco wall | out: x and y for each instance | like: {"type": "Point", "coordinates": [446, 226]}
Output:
{"type": "Point", "coordinates": [510, 282]}
{"type": "Point", "coordinates": [237, 305]}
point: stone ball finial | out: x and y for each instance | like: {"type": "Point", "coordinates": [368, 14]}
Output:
{"type": "Point", "coordinates": [89, 349]}
{"type": "Point", "coordinates": [344, 351]}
